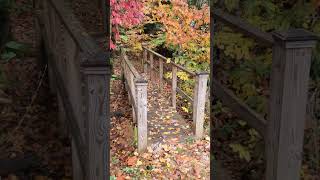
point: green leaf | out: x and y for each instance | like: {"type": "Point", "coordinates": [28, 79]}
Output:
{"type": "Point", "coordinates": [15, 46]}
{"type": "Point", "coordinates": [243, 151]}
{"type": "Point", "coordinates": [7, 56]}
{"type": "Point", "coordinates": [113, 178]}
{"type": "Point", "coordinates": [242, 123]}
{"type": "Point", "coordinates": [124, 38]}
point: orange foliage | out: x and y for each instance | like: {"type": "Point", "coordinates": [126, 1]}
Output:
{"type": "Point", "coordinates": [185, 26]}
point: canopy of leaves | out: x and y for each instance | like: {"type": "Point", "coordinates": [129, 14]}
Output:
{"type": "Point", "coordinates": [125, 14]}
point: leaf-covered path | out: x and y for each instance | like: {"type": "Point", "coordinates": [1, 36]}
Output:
{"type": "Point", "coordinates": [172, 152]}
{"type": "Point", "coordinates": [164, 122]}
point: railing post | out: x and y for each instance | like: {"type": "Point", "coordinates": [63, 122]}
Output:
{"type": "Point", "coordinates": [174, 87]}
{"type": "Point", "coordinates": [144, 60]}
{"type": "Point", "coordinates": [199, 101]}
{"type": "Point", "coordinates": [141, 102]}
{"type": "Point", "coordinates": [160, 72]}
{"type": "Point", "coordinates": [151, 65]}
{"type": "Point", "coordinates": [97, 87]}
{"type": "Point", "coordinates": [289, 85]}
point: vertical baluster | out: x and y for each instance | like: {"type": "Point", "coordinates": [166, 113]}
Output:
{"type": "Point", "coordinates": [151, 66]}
{"type": "Point", "coordinates": [174, 86]}
{"type": "Point", "coordinates": [291, 62]}
{"type": "Point", "coordinates": [144, 60]}
{"type": "Point", "coordinates": [199, 103]}
{"type": "Point", "coordinates": [161, 72]}
{"type": "Point", "coordinates": [141, 95]}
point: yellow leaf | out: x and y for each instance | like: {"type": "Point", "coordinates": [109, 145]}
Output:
{"type": "Point", "coordinates": [139, 163]}
{"type": "Point", "coordinates": [185, 109]}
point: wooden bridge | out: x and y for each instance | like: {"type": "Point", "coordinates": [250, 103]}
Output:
{"type": "Point", "coordinates": [79, 74]}
{"type": "Point", "coordinates": [152, 108]}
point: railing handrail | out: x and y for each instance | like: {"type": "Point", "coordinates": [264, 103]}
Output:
{"type": "Point", "coordinates": [242, 26]}
{"type": "Point", "coordinates": [130, 65]}
{"type": "Point", "coordinates": [83, 91]}
{"type": "Point", "coordinates": [199, 93]}
{"type": "Point", "coordinates": [175, 64]}
{"type": "Point", "coordinates": [136, 86]}
{"type": "Point", "coordinates": [83, 40]}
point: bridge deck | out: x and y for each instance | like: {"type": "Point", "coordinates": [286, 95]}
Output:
{"type": "Point", "coordinates": [164, 122]}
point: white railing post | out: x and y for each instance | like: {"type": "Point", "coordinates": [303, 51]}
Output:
{"type": "Point", "coordinates": [151, 65]}
{"type": "Point", "coordinates": [174, 87]}
{"type": "Point", "coordinates": [160, 72]}
{"type": "Point", "coordinates": [141, 102]}
{"type": "Point", "coordinates": [144, 60]}
{"type": "Point", "coordinates": [199, 101]}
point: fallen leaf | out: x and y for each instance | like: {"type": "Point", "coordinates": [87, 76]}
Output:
{"type": "Point", "coordinates": [139, 163]}
{"type": "Point", "coordinates": [132, 161]}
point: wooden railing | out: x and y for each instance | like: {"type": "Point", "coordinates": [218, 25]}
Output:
{"type": "Point", "coordinates": [137, 91]}
{"type": "Point", "coordinates": [199, 97]}
{"type": "Point", "coordinates": [79, 74]}
{"type": "Point", "coordinates": [284, 129]}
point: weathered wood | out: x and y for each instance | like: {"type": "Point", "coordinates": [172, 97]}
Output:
{"type": "Point", "coordinates": [145, 67]}
{"type": "Point", "coordinates": [84, 91]}
{"type": "Point", "coordinates": [174, 87]}
{"type": "Point", "coordinates": [73, 26]}
{"type": "Point", "coordinates": [62, 116]}
{"type": "Point", "coordinates": [77, 172]}
{"type": "Point", "coordinates": [144, 60]}
{"type": "Point", "coordinates": [238, 24]}
{"type": "Point", "coordinates": [105, 10]}
{"type": "Point", "coordinates": [183, 69]}
{"type": "Point", "coordinates": [154, 53]}
{"type": "Point", "coordinates": [160, 72]}
{"type": "Point", "coordinates": [208, 101]}
{"type": "Point", "coordinates": [289, 85]}
{"type": "Point", "coordinates": [199, 100]}
{"type": "Point", "coordinates": [73, 127]}
{"type": "Point", "coordinates": [96, 94]}
{"type": "Point", "coordinates": [151, 66]}
{"type": "Point", "coordinates": [141, 95]}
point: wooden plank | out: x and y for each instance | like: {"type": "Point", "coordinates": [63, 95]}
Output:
{"type": "Point", "coordinates": [144, 60]}
{"type": "Point", "coordinates": [154, 53]}
{"type": "Point", "coordinates": [161, 72]}
{"type": "Point", "coordinates": [238, 24]}
{"type": "Point", "coordinates": [62, 116]}
{"type": "Point", "coordinates": [240, 108]}
{"type": "Point", "coordinates": [199, 100]}
{"type": "Point", "coordinates": [289, 86]}
{"type": "Point", "coordinates": [164, 58]}
{"type": "Point", "coordinates": [184, 69]}
{"type": "Point", "coordinates": [77, 172]}
{"type": "Point", "coordinates": [129, 64]}
{"type": "Point", "coordinates": [73, 127]}
{"type": "Point", "coordinates": [142, 110]}
{"type": "Point", "coordinates": [97, 80]}
{"type": "Point", "coordinates": [151, 66]}
{"type": "Point", "coordinates": [134, 104]}
{"type": "Point", "coordinates": [174, 87]}
{"type": "Point", "coordinates": [73, 26]}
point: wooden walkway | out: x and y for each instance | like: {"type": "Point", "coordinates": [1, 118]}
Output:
{"type": "Point", "coordinates": [164, 122]}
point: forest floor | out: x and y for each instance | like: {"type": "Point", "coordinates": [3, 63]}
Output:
{"type": "Point", "coordinates": [31, 143]}
{"type": "Point", "coordinates": [165, 159]}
